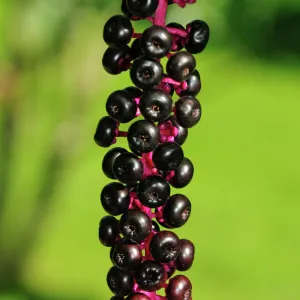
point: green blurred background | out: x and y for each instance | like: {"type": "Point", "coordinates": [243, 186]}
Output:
{"type": "Point", "coordinates": [246, 190]}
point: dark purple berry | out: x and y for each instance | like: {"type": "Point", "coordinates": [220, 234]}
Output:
{"type": "Point", "coordinates": [155, 105]}
{"type": "Point", "coordinates": [188, 111]}
{"type": "Point", "coordinates": [153, 191]}
{"type": "Point", "coordinates": [150, 276]}
{"type": "Point", "coordinates": [117, 298]}
{"type": "Point", "coordinates": [128, 168]}
{"type": "Point", "coordinates": [136, 50]}
{"type": "Point", "coordinates": [181, 65]}
{"type": "Point", "coordinates": [179, 288]}
{"type": "Point", "coordinates": [186, 258]}
{"type": "Point", "coordinates": [198, 36]}
{"type": "Point", "coordinates": [134, 91]}
{"type": "Point", "coordinates": [171, 270]}
{"type": "Point", "coordinates": [109, 230]}
{"type": "Point", "coordinates": [142, 8]}
{"type": "Point", "coordinates": [115, 198]}
{"type": "Point", "coordinates": [165, 246]}
{"type": "Point", "coordinates": [183, 174]}
{"type": "Point", "coordinates": [193, 85]}
{"type": "Point", "coordinates": [120, 282]}
{"type": "Point", "coordinates": [177, 210]}
{"type": "Point", "coordinates": [177, 40]}
{"type": "Point", "coordinates": [117, 31]}
{"type": "Point", "coordinates": [135, 225]}
{"type": "Point", "coordinates": [146, 73]}
{"type": "Point", "coordinates": [138, 296]}
{"type": "Point", "coordinates": [143, 136]}
{"type": "Point", "coordinates": [106, 132]}
{"type": "Point", "coordinates": [155, 227]}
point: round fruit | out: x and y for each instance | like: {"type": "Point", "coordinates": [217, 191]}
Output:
{"type": "Point", "coordinates": [109, 231]}
{"type": "Point", "coordinates": [120, 282]}
{"type": "Point", "coordinates": [142, 8]}
{"type": "Point", "coordinates": [134, 91]}
{"type": "Point", "coordinates": [183, 174]}
{"type": "Point", "coordinates": [186, 258]}
{"type": "Point", "coordinates": [138, 296]}
{"type": "Point", "coordinates": [198, 36]}
{"type": "Point", "coordinates": [177, 40]}
{"type": "Point", "coordinates": [193, 85]}
{"type": "Point", "coordinates": [179, 288]}
{"type": "Point", "coordinates": [136, 50]}
{"type": "Point", "coordinates": [105, 132]}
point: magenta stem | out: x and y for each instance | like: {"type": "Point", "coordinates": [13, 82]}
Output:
{"type": "Point", "coordinates": [122, 133]}
{"type": "Point", "coordinates": [176, 31]}
{"type": "Point", "coordinates": [136, 35]}
{"type": "Point", "coordinates": [171, 81]}
{"type": "Point", "coordinates": [161, 12]}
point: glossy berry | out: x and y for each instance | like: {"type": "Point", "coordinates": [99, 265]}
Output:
{"type": "Point", "coordinates": [127, 255]}
{"type": "Point", "coordinates": [181, 65]}
{"type": "Point", "coordinates": [136, 50]}
{"type": "Point", "coordinates": [138, 296]}
{"type": "Point", "coordinates": [155, 105]}
{"type": "Point", "coordinates": [115, 61]}
{"type": "Point", "coordinates": [121, 106]}
{"type": "Point", "coordinates": [105, 132]}
{"type": "Point", "coordinates": [109, 230]}
{"type": "Point", "coordinates": [135, 225]}
{"type": "Point", "coordinates": [177, 210]}
{"type": "Point", "coordinates": [134, 91]}
{"type": "Point", "coordinates": [109, 159]}
{"type": "Point", "coordinates": [150, 276]}
{"type": "Point", "coordinates": [193, 85]}
{"type": "Point", "coordinates": [178, 41]}
{"type": "Point", "coordinates": [153, 191]}
{"type": "Point", "coordinates": [155, 227]}
{"type": "Point", "coordinates": [186, 257]}
{"type": "Point", "coordinates": [120, 282]}
{"type": "Point", "coordinates": [179, 288]}
{"type": "Point", "coordinates": [168, 156]}
{"type": "Point", "coordinates": [117, 31]}
{"type": "Point", "coordinates": [146, 73]}
{"type": "Point", "coordinates": [188, 111]}
{"type": "Point", "coordinates": [128, 168]}
{"type": "Point", "coordinates": [183, 174]}
{"type": "Point", "coordinates": [198, 36]}
{"type": "Point", "coordinates": [165, 247]}
{"type": "Point", "coordinates": [115, 198]}
{"type": "Point", "coordinates": [156, 41]}
{"type": "Point", "coordinates": [142, 8]}
{"type": "Point", "coordinates": [143, 136]}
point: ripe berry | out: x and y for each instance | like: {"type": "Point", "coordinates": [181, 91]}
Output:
{"type": "Point", "coordinates": [128, 168]}
{"type": "Point", "coordinates": [179, 288]}
{"type": "Point", "coordinates": [177, 40]}
{"type": "Point", "coordinates": [155, 227]}
{"type": "Point", "coordinates": [120, 282]}
{"type": "Point", "coordinates": [156, 41]}
{"type": "Point", "coordinates": [105, 132]}
{"type": "Point", "coordinates": [142, 8]}
{"type": "Point", "coordinates": [188, 111]}
{"type": "Point", "coordinates": [155, 105]}
{"type": "Point", "coordinates": [177, 210]}
{"type": "Point", "coordinates": [193, 85]}
{"type": "Point", "coordinates": [186, 258]}
{"type": "Point", "coordinates": [127, 255]}
{"type": "Point", "coordinates": [115, 198]}
{"type": "Point", "coordinates": [198, 36]}
{"type": "Point", "coordinates": [135, 225]}
{"type": "Point", "coordinates": [150, 276]}
{"type": "Point", "coordinates": [143, 136]}
{"type": "Point", "coordinates": [183, 174]}
{"type": "Point", "coordinates": [116, 298]}
{"type": "Point", "coordinates": [134, 91]}
{"type": "Point", "coordinates": [109, 159]}
{"type": "Point", "coordinates": [117, 31]}
{"type": "Point", "coordinates": [165, 246]}
{"type": "Point", "coordinates": [138, 296]}
{"type": "Point", "coordinates": [109, 231]}
{"type": "Point", "coordinates": [115, 61]}
{"type": "Point", "coordinates": [146, 73]}
{"type": "Point", "coordinates": [153, 191]}
{"type": "Point", "coordinates": [181, 65]}
{"type": "Point", "coordinates": [168, 156]}
{"type": "Point", "coordinates": [136, 50]}
{"type": "Point", "coordinates": [121, 106]}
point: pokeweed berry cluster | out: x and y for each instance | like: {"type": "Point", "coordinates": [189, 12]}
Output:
{"type": "Point", "coordinates": [145, 257]}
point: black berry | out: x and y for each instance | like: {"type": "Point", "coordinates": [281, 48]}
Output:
{"type": "Point", "coordinates": [179, 288]}
{"type": "Point", "coordinates": [193, 85]}
{"type": "Point", "coordinates": [136, 50]}
{"type": "Point", "coordinates": [120, 282]}
{"type": "Point", "coordinates": [134, 91]}
{"type": "Point", "coordinates": [183, 174]}
{"type": "Point", "coordinates": [109, 230]}
{"type": "Point", "coordinates": [186, 257]}
{"type": "Point", "coordinates": [105, 132]}
{"type": "Point", "coordinates": [142, 8]}
{"type": "Point", "coordinates": [198, 36]}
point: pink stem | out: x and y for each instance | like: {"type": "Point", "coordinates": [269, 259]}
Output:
{"type": "Point", "coordinates": [171, 81]}
{"type": "Point", "coordinates": [160, 16]}
{"type": "Point", "coordinates": [176, 31]}
{"type": "Point", "coordinates": [136, 35]}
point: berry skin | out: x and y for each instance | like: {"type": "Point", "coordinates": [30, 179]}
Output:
{"type": "Point", "coordinates": [177, 40]}
{"type": "Point", "coordinates": [181, 65]}
{"type": "Point", "coordinates": [127, 255]}
{"type": "Point", "coordinates": [109, 231]}
{"type": "Point", "coordinates": [115, 61]}
{"type": "Point", "coordinates": [156, 41]}
{"type": "Point", "coordinates": [134, 91]}
{"type": "Point", "coordinates": [193, 85]}
{"type": "Point", "coordinates": [155, 105]}
{"type": "Point", "coordinates": [120, 282]}
{"type": "Point", "coordinates": [183, 174]}
{"type": "Point", "coordinates": [136, 50]}
{"type": "Point", "coordinates": [135, 225]}
{"type": "Point", "coordinates": [121, 106]}
{"type": "Point", "coordinates": [143, 136]}
{"type": "Point", "coordinates": [109, 159]}
{"type": "Point", "coordinates": [117, 31]}
{"type": "Point", "coordinates": [153, 191]}
{"type": "Point", "coordinates": [165, 247]}
{"type": "Point", "coordinates": [155, 227]}
{"type": "Point", "coordinates": [168, 156]}
{"type": "Point", "coordinates": [179, 288]}
{"type": "Point", "coordinates": [186, 258]}
{"type": "Point", "coordinates": [116, 298]}
{"type": "Point", "coordinates": [146, 73]}
{"type": "Point", "coordinates": [150, 276]}
{"type": "Point", "coordinates": [105, 132]}
{"type": "Point", "coordinates": [188, 111]}
{"type": "Point", "coordinates": [177, 210]}
{"type": "Point", "coordinates": [142, 8]}
{"type": "Point", "coordinates": [198, 36]}
{"type": "Point", "coordinates": [128, 168]}
{"type": "Point", "coordinates": [115, 198]}
{"type": "Point", "coordinates": [138, 296]}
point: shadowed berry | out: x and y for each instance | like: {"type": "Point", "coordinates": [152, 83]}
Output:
{"type": "Point", "coordinates": [109, 231]}
{"type": "Point", "coordinates": [105, 132]}
{"type": "Point", "coordinates": [136, 50]}
{"type": "Point", "coordinates": [179, 288]}
{"type": "Point", "coordinates": [142, 8]}
{"type": "Point", "coordinates": [193, 85]}
{"type": "Point", "coordinates": [198, 36]}
{"type": "Point", "coordinates": [186, 257]}
{"type": "Point", "coordinates": [120, 282]}
{"type": "Point", "coordinates": [134, 91]}
{"type": "Point", "coordinates": [183, 174]}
